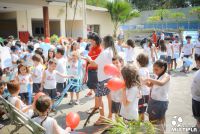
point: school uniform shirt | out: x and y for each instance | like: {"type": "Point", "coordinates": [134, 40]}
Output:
{"type": "Point", "coordinates": [61, 68]}
{"type": "Point", "coordinates": [130, 112]}
{"type": "Point", "coordinates": [38, 71]}
{"type": "Point", "coordinates": [104, 58]}
{"type": "Point", "coordinates": [73, 69]}
{"type": "Point", "coordinates": [176, 47]}
{"type": "Point", "coordinates": [162, 36]}
{"type": "Point", "coordinates": [130, 54]}
{"type": "Point", "coordinates": [147, 49]}
{"type": "Point", "coordinates": [47, 124]}
{"type": "Point", "coordinates": [195, 88]}
{"type": "Point", "coordinates": [169, 49]}
{"type": "Point", "coordinates": [187, 49]}
{"type": "Point", "coordinates": [50, 80]}
{"type": "Point", "coordinates": [14, 57]}
{"type": "Point", "coordinates": [116, 96]}
{"type": "Point", "coordinates": [197, 47]}
{"type": "Point", "coordinates": [24, 80]}
{"type": "Point", "coordinates": [144, 73]}
{"type": "Point", "coordinates": [160, 93]}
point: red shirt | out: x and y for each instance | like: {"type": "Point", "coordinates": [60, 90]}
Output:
{"type": "Point", "coordinates": [154, 38]}
{"type": "Point", "coordinates": [94, 53]}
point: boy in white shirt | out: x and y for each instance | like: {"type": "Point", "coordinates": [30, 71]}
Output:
{"type": "Point", "coordinates": [177, 51]}
{"type": "Point", "coordinates": [195, 90]}
{"type": "Point", "coordinates": [61, 67]}
{"type": "Point", "coordinates": [188, 49]}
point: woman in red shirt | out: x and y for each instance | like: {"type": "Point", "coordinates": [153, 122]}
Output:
{"type": "Point", "coordinates": [95, 50]}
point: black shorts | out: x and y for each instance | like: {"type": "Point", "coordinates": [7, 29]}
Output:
{"type": "Point", "coordinates": [196, 109]}
{"type": "Point", "coordinates": [143, 102]}
{"type": "Point", "coordinates": [101, 89]}
{"type": "Point", "coordinates": [157, 109]}
{"type": "Point", "coordinates": [36, 87]}
{"type": "Point", "coordinates": [92, 79]}
{"type": "Point", "coordinates": [196, 56]}
{"type": "Point", "coordinates": [60, 87]}
{"type": "Point", "coordinates": [116, 106]}
{"type": "Point", "coordinates": [51, 92]}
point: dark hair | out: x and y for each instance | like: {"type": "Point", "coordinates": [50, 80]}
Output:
{"type": "Point", "coordinates": [36, 57]}
{"type": "Point", "coordinates": [95, 37]}
{"type": "Point", "coordinates": [51, 50]}
{"type": "Point", "coordinates": [198, 58]}
{"type": "Point", "coordinates": [79, 39]}
{"type": "Point", "coordinates": [143, 60]}
{"type": "Point", "coordinates": [5, 42]}
{"type": "Point", "coordinates": [161, 64]}
{"type": "Point", "coordinates": [61, 51]}
{"type": "Point", "coordinates": [43, 103]}
{"type": "Point", "coordinates": [119, 58]}
{"type": "Point", "coordinates": [130, 43]}
{"type": "Point", "coordinates": [21, 65]}
{"type": "Point", "coordinates": [109, 42]}
{"type": "Point", "coordinates": [40, 52]}
{"type": "Point", "coordinates": [13, 86]}
{"type": "Point", "coordinates": [1, 85]}
{"type": "Point", "coordinates": [30, 48]}
{"type": "Point", "coordinates": [74, 44]}
{"type": "Point", "coordinates": [163, 47]}
{"type": "Point", "coordinates": [188, 37]}
{"type": "Point", "coordinates": [18, 44]}
{"type": "Point", "coordinates": [30, 38]}
{"type": "Point", "coordinates": [51, 61]}
{"type": "Point", "coordinates": [13, 48]}
{"type": "Point", "coordinates": [130, 76]}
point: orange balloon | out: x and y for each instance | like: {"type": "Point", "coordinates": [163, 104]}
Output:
{"type": "Point", "coordinates": [111, 69]}
{"type": "Point", "coordinates": [115, 84]}
{"type": "Point", "coordinates": [72, 120]}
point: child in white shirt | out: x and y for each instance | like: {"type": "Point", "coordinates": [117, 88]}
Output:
{"type": "Point", "coordinates": [177, 51]}
{"type": "Point", "coordinates": [37, 72]}
{"type": "Point", "coordinates": [143, 62]}
{"type": "Point", "coordinates": [129, 108]}
{"type": "Point", "coordinates": [42, 107]}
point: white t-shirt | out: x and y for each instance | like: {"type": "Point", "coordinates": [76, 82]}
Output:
{"type": "Point", "coordinates": [130, 111]}
{"type": "Point", "coordinates": [24, 80]}
{"type": "Point", "coordinates": [197, 47]}
{"type": "Point", "coordinates": [130, 54]}
{"type": "Point", "coordinates": [14, 99]}
{"type": "Point", "coordinates": [169, 49]}
{"type": "Point", "coordinates": [195, 88]}
{"type": "Point", "coordinates": [47, 124]}
{"type": "Point", "coordinates": [162, 36]}
{"type": "Point", "coordinates": [187, 49]}
{"type": "Point", "coordinates": [50, 80]}
{"type": "Point", "coordinates": [38, 71]}
{"type": "Point", "coordinates": [105, 57]}
{"type": "Point", "coordinates": [15, 57]}
{"type": "Point", "coordinates": [147, 50]}
{"type": "Point", "coordinates": [61, 68]}
{"type": "Point", "coordinates": [176, 47]}
{"type": "Point", "coordinates": [73, 69]}
{"type": "Point", "coordinates": [116, 96]}
{"type": "Point", "coordinates": [144, 74]}
{"type": "Point", "coordinates": [160, 93]}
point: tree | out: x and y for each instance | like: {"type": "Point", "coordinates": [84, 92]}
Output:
{"type": "Point", "coordinates": [163, 13]}
{"type": "Point", "coordinates": [177, 16]}
{"type": "Point", "coordinates": [120, 12]}
{"type": "Point", "coordinates": [196, 10]}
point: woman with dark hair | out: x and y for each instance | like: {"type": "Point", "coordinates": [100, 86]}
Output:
{"type": "Point", "coordinates": [103, 59]}
{"type": "Point", "coordinates": [94, 51]}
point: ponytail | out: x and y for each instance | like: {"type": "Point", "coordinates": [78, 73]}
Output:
{"type": "Point", "coordinates": [161, 64]}
{"type": "Point", "coordinates": [109, 42]}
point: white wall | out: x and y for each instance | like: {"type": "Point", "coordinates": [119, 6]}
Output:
{"type": "Point", "coordinates": [100, 18]}
{"type": "Point", "coordinates": [77, 28]}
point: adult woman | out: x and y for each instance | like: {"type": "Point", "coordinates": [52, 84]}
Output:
{"type": "Point", "coordinates": [94, 52]}
{"type": "Point", "coordinates": [104, 58]}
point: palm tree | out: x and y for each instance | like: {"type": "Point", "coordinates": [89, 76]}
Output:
{"type": "Point", "coordinates": [120, 11]}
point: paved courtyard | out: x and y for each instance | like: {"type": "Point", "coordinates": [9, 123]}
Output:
{"type": "Point", "coordinates": [179, 106]}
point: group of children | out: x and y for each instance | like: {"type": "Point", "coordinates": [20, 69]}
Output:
{"type": "Point", "coordinates": [144, 92]}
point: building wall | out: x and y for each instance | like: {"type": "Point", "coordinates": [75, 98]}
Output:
{"type": "Point", "coordinates": [77, 28]}
{"type": "Point", "coordinates": [100, 18]}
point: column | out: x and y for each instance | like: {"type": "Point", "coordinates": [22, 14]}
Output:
{"type": "Point", "coordinates": [62, 28]}
{"type": "Point", "coordinates": [46, 22]}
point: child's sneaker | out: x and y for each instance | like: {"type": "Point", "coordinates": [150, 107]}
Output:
{"type": "Point", "coordinates": [76, 102]}
{"type": "Point", "coordinates": [71, 102]}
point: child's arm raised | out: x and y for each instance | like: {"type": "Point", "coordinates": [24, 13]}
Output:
{"type": "Point", "coordinates": [63, 75]}
{"type": "Point", "coordinates": [159, 82]}
{"type": "Point", "coordinates": [58, 130]}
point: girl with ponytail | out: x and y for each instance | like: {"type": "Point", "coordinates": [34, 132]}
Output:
{"type": "Point", "coordinates": [158, 102]}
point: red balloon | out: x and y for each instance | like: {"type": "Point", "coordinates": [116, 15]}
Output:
{"type": "Point", "coordinates": [115, 84]}
{"type": "Point", "coordinates": [72, 120]}
{"type": "Point", "coordinates": [111, 69]}
{"type": "Point", "coordinates": [47, 40]}
{"type": "Point", "coordinates": [38, 95]}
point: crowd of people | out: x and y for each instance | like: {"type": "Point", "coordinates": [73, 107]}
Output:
{"type": "Point", "coordinates": [146, 89]}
